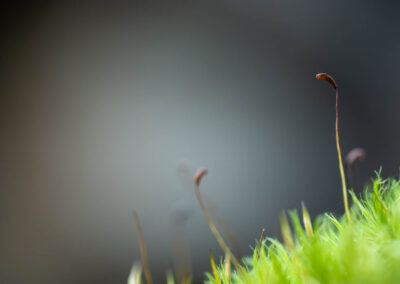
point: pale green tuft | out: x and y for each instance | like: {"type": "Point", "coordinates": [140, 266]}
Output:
{"type": "Point", "coordinates": [367, 250]}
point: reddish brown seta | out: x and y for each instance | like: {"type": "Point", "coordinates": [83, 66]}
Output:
{"type": "Point", "coordinates": [328, 78]}
{"type": "Point", "coordinates": [199, 175]}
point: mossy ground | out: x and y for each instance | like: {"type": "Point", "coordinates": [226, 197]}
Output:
{"type": "Point", "coordinates": [333, 250]}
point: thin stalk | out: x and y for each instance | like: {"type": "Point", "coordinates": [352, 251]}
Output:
{"type": "Point", "coordinates": [227, 267]}
{"type": "Point", "coordinates": [143, 249]}
{"type": "Point", "coordinates": [260, 244]}
{"type": "Point", "coordinates": [342, 175]}
{"type": "Point", "coordinates": [214, 229]}
{"type": "Point", "coordinates": [328, 78]}
{"type": "Point", "coordinates": [223, 226]}
{"type": "Point", "coordinates": [199, 174]}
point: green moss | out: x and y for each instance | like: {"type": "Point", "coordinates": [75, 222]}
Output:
{"type": "Point", "coordinates": [367, 250]}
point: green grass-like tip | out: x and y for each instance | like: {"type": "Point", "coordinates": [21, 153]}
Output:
{"type": "Point", "coordinates": [367, 250]}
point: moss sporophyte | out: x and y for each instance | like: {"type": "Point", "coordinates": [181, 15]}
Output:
{"type": "Point", "coordinates": [361, 246]}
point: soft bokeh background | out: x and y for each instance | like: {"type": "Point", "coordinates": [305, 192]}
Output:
{"type": "Point", "coordinates": [103, 103]}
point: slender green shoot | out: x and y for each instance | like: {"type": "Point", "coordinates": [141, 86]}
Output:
{"type": "Point", "coordinates": [214, 269]}
{"type": "Point", "coordinates": [307, 221]}
{"type": "Point", "coordinates": [286, 232]}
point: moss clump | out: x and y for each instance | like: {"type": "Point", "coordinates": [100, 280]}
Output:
{"type": "Point", "coordinates": [365, 250]}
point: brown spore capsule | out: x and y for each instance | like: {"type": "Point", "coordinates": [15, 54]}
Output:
{"type": "Point", "coordinates": [199, 175]}
{"type": "Point", "coordinates": [328, 78]}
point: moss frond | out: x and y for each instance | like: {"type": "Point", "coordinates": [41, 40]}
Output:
{"type": "Point", "coordinates": [330, 249]}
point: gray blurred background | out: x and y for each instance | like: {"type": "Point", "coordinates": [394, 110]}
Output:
{"type": "Point", "coordinates": [103, 103]}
